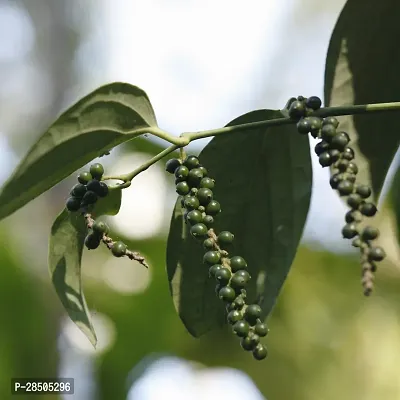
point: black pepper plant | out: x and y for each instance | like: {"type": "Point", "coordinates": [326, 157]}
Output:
{"type": "Point", "coordinates": [241, 203]}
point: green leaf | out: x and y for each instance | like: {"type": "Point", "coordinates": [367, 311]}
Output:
{"type": "Point", "coordinates": [263, 182]}
{"type": "Point", "coordinates": [110, 115]}
{"type": "Point", "coordinates": [65, 255]}
{"type": "Point", "coordinates": [108, 205]}
{"type": "Point", "coordinates": [362, 67]}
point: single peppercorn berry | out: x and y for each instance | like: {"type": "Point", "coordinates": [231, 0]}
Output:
{"type": "Point", "coordinates": [181, 173]}
{"type": "Point", "coordinates": [364, 191]}
{"type": "Point", "coordinates": [203, 170]}
{"type": "Point", "coordinates": [213, 208]}
{"type": "Point", "coordinates": [208, 221]}
{"type": "Point", "coordinates": [345, 188]}
{"type": "Point", "coordinates": [349, 231]}
{"type": "Point", "coordinates": [334, 181]}
{"type": "Point", "coordinates": [205, 196]}
{"type": "Point", "coordinates": [84, 177]}
{"type": "Point", "coordinates": [237, 263]}
{"type": "Point", "coordinates": [118, 249]}
{"type": "Point", "coordinates": [234, 316]}
{"type": "Point", "coordinates": [194, 217]}
{"type": "Point", "coordinates": [191, 202]}
{"type": "Point", "coordinates": [314, 102]}
{"type": "Point", "coordinates": [356, 242]}
{"type": "Point", "coordinates": [340, 141]}
{"type": "Point", "coordinates": [182, 188]}
{"type": "Point", "coordinates": [225, 238]}
{"type": "Point", "coordinates": [368, 209]}
{"type": "Point", "coordinates": [348, 153]}
{"type": "Point", "coordinates": [328, 131]}
{"type": "Point", "coordinates": [207, 183]}
{"type": "Point", "coordinates": [304, 126]}
{"type": "Point", "coordinates": [223, 275]}
{"type": "Point", "coordinates": [93, 185]}
{"type": "Point", "coordinates": [227, 294]}
{"type": "Point", "coordinates": [240, 279]}
{"type": "Point", "coordinates": [211, 257]}
{"type": "Point", "coordinates": [321, 147]}
{"type": "Point", "coordinates": [261, 329]}
{"type": "Point", "coordinates": [376, 254]}
{"type": "Point", "coordinates": [330, 121]}
{"type": "Point", "coordinates": [316, 125]}
{"type": "Point", "coordinates": [97, 171]}
{"type": "Point", "coordinates": [260, 352]}
{"type": "Point", "coordinates": [354, 200]}
{"type": "Point", "coordinates": [353, 216]}
{"type": "Point", "coordinates": [92, 241]}
{"type": "Point", "coordinates": [297, 110]}
{"type": "Point", "coordinates": [335, 155]}
{"type": "Point", "coordinates": [250, 342]}
{"type": "Point", "coordinates": [239, 302]}
{"type": "Point", "coordinates": [352, 168]}
{"type": "Point", "coordinates": [89, 198]}
{"type": "Point", "coordinates": [241, 328]}
{"type": "Point", "coordinates": [100, 228]}
{"type": "Point", "coordinates": [199, 231]}
{"type": "Point", "coordinates": [325, 159]}
{"type": "Point", "coordinates": [208, 244]}
{"type": "Point", "coordinates": [73, 204]}
{"type": "Point", "coordinates": [213, 270]}
{"type": "Point", "coordinates": [370, 233]}
{"type": "Point", "coordinates": [103, 190]}
{"type": "Point", "coordinates": [194, 177]}
{"type": "Point", "coordinates": [78, 190]}
{"type": "Point", "coordinates": [191, 162]}
{"type": "Point", "coordinates": [252, 313]}
{"type": "Point", "coordinates": [172, 165]}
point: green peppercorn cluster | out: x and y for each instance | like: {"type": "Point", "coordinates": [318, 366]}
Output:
{"type": "Point", "coordinates": [230, 273]}
{"type": "Point", "coordinates": [88, 190]}
{"type": "Point", "coordinates": [334, 151]}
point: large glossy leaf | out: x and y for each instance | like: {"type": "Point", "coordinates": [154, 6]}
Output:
{"type": "Point", "coordinates": [362, 67]}
{"type": "Point", "coordinates": [65, 255]}
{"type": "Point", "coordinates": [263, 182]}
{"type": "Point", "coordinates": [110, 115]}
{"type": "Point", "coordinates": [108, 205]}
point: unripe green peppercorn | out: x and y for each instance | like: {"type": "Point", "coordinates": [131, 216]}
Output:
{"type": "Point", "coordinates": [313, 102]}
{"type": "Point", "coordinates": [240, 279]}
{"type": "Point", "coordinates": [208, 221]}
{"type": "Point", "coordinates": [225, 238]}
{"type": "Point", "coordinates": [348, 153]}
{"type": "Point", "coordinates": [118, 249]}
{"type": "Point", "coordinates": [328, 131]}
{"type": "Point", "coordinates": [199, 231]}
{"type": "Point", "coordinates": [211, 257]}
{"type": "Point", "coordinates": [261, 329]}
{"type": "Point", "coordinates": [181, 173]}
{"type": "Point", "coordinates": [376, 254]}
{"type": "Point", "coordinates": [252, 313]}
{"type": "Point", "coordinates": [223, 275]}
{"type": "Point", "coordinates": [214, 269]}
{"type": "Point", "coordinates": [213, 208]}
{"type": "Point", "coordinates": [330, 121]}
{"type": "Point", "coordinates": [370, 233]}
{"type": "Point", "coordinates": [182, 188]}
{"type": "Point", "coordinates": [321, 147]}
{"type": "Point", "coordinates": [84, 177]}
{"type": "Point", "coordinates": [203, 170]}
{"type": "Point", "coordinates": [191, 162]}
{"type": "Point", "coordinates": [191, 202]}
{"type": "Point", "coordinates": [207, 183]}
{"type": "Point", "coordinates": [205, 196]}
{"type": "Point", "coordinates": [241, 328]}
{"type": "Point", "coordinates": [237, 263]}
{"type": "Point", "coordinates": [325, 159]}
{"type": "Point", "coordinates": [354, 200]}
{"type": "Point", "coordinates": [353, 216]}
{"type": "Point", "coordinates": [97, 171]}
{"type": "Point", "coordinates": [345, 188]}
{"type": "Point", "coordinates": [100, 227]}
{"type": "Point", "coordinates": [250, 342]}
{"type": "Point", "coordinates": [227, 294]}
{"type": "Point", "coordinates": [364, 191]}
{"type": "Point", "coordinates": [303, 126]}
{"type": "Point", "coordinates": [194, 177]}
{"type": "Point", "coordinates": [208, 244]}
{"type": "Point", "coordinates": [349, 231]}
{"type": "Point", "coordinates": [260, 352]}
{"type": "Point", "coordinates": [368, 209]}
{"type": "Point", "coordinates": [194, 217]}
{"type": "Point", "coordinates": [234, 316]}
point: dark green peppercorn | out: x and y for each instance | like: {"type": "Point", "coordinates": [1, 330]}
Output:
{"type": "Point", "coordinates": [203, 170]}
{"type": "Point", "coordinates": [213, 270]}
{"type": "Point", "coordinates": [92, 241]}
{"type": "Point", "coordinates": [349, 231]}
{"type": "Point", "coordinates": [328, 131]}
{"type": "Point", "coordinates": [240, 279]}
{"type": "Point", "coordinates": [227, 294]}
{"type": "Point", "coordinates": [252, 313]}
{"type": "Point", "coordinates": [352, 168]}
{"type": "Point", "coordinates": [304, 126]}
{"type": "Point", "coordinates": [261, 329]}
{"type": "Point", "coordinates": [208, 244]}
{"type": "Point", "coordinates": [225, 238]}
{"type": "Point", "coordinates": [364, 191]}
{"type": "Point", "coordinates": [211, 257]}
{"type": "Point", "coordinates": [335, 155]}
{"type": "Point", "coordinates": [321, 147]}
{"type": "Point", "coordinates": [223, 275]}
{"type": "Point", "coordinates": [316, 124]}
{"type": "Point", "coordinates": [207, 183]}
{"type": "Point", "coordinates": [100, 228]}
{"type": "Point", "coordinates": [353, 216]}
{"type": "Point", "coordinates": [325, 159]}
{"type": "Point", "coordinates": [250, 342]}
{"type": "Point", "coordinates": [172, 165]}
{"type": "Point", "coordinates": [89, 198]}
{"type": "Point", "coordinates": [84, 177]}
{"type": "Point", "coordinates": [345, 188]}
{"type": "Point", "coordinates": [335, 180]}
{"type": "Point", "coordinates": [297, 110]}
{"type": "Point", "coordinates": [260, 352]}
{"type": "Point", "coordinates": [118, 249]}
{"type": "Point", "coordinates": [314, 102]}
{"type": "Point", "coordinates": [182, 188]}
{"type": "Point", "coordinates": [341, 165]}
{"type": "Point", "coordinates": [213, 208]}
{"type": "Point", "coordinates": [368, 209]}
{"type": "Point", "coordinates": [191, 202]}
{"type": "Point", "coordinates": [78, 190]}
{"type": "Point", "coordinates": [354, 200]}
{"type": "Point", "coordinates": [348, 153]}
{"type": "Point", "coordinates": [103, 190]}
{"type": "Point", "coordinates": [194, 217]}
{"type": "Point", "coordinates": [73, 204]}
{"type": "Point", "coordinates": [199, 231]}
{"type": "Point", "coordinates": [194, 177]}
{"type": "Point", "coordinates": [181, 173]}
{"type": "Point", "coordinates": [234, 316]}
{"type": "Point", "coordinates": [340, 141]}
{"type": "Point", "coordinates": [191, 162]}
{"type": "Point", "coordinates": [376, 254]}
{"type": "Point", "coordinates": [205, 196]}
{"type": "Point", "coordinates": [97, 171]}
{"type": "Point", "coordinates": [241, 328]}
{"type": "Point", "coordinates": [330, 121]}
{"type": "Point", "coordinates": [208, 221]}
{"type": "Point", "coordinates": [237, 263]}
{"type": "Point", "coordinates": [370, 233]}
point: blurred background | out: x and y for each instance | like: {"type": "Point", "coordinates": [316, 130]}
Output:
{"type": "Point", "coordinates": [202, 63]}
